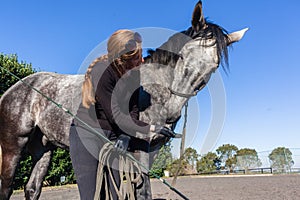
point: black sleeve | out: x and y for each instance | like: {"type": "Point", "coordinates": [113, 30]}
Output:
{"type": "Point", "coordinates": [120, 108]}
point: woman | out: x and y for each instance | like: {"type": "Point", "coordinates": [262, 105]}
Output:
{"type": "Point", "coordinates": [112, 109]}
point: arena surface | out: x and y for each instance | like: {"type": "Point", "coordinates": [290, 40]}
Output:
{"type": "Point", "coordinates": [226, 187]}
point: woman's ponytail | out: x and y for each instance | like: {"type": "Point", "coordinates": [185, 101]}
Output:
{"type": "Point", "coordinates": [88, 94]}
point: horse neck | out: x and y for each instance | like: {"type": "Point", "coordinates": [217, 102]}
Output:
{"type": "Point", "coordinates": [156, 80]}
{"type": "Point", "coordinates": [156, 74]}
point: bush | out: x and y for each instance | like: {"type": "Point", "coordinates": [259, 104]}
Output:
{"type": "Point", "coordinates": [11, 63]}
{"type": "Point", "coordinates": [60, 166]}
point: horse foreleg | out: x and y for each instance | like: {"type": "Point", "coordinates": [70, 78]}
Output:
{"type": "Point", "coordinates": [41, 152]}
{"type": "Point", "coordinates": [34, 185]}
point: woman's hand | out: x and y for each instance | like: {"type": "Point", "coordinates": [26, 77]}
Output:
{"type": "Point", "coordinates": [122, 143]}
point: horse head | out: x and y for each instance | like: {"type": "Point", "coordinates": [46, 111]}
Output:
{"type": "Point", "coordinates": [199, 57]}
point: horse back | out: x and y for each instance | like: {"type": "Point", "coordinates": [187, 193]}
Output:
{"type": "Point", "coordinates": [22, 108]}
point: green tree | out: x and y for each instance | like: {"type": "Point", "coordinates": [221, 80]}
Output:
{"type": "Point", "coordinates": [191, 156]}
{"type": "Point", "coordinates": [281, 159]}
{"type": "Point", "coordinates": [226, 154]}
{"type": "Point", "coordinates": [21, 69]}
{"type": "Point", "coordinates": [186, 164]}
{"type": "Point", "coordinates": [162, 161]}
{"type": "Point", "coordinates": [174, 166]}
{"type": "Point", "coordinates": [208, 163]}
{"type": "Point", "coordinates": [61, 166]}
{"type": "Point", "coordinates": [247, 158]}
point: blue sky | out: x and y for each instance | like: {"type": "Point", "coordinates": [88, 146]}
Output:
{"type": "Point", "coordinates": [262, 88]}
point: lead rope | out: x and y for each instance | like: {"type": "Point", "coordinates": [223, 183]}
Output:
{"type": "Point", "coordinates": [181, 147]}
{"type": "Point", "coordinates": [127, 169]}
{"type": "Point", "coordinates": [98, 134]}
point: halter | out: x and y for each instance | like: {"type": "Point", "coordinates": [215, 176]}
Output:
{"type": "Point", "coordinates": [185, 95]}
{"type": "Point", "coordinates": [188, 95]}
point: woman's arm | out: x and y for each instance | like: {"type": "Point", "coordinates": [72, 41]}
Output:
{"type": "Point", "coordinates": [119, 106]}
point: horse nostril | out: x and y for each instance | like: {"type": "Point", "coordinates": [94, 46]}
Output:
{"type": "Point", "coordinates": [186, 72]}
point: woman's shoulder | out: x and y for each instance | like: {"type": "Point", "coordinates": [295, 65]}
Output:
{"type": "Point", "coordinates": [101, 69]}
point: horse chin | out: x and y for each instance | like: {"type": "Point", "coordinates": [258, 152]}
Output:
{"type": "Point", "coordinates": [173, 120]}
{"type": "Point", "coordinates": [157, 141]}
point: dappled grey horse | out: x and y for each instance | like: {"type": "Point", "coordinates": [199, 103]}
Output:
{"type": "Point", "coordinates": [170, 75]}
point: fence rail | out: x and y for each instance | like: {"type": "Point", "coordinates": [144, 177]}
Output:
{"type": "Point", "coordinates": [253, 170]}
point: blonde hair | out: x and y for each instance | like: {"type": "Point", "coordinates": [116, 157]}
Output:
{"type": "Point", "coordinates": [117, 54]}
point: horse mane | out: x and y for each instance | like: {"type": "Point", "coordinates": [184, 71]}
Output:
{"type": "Point", "coordinates": [221, 37]}
{"type": "Point", "coordinates": [168, 53]}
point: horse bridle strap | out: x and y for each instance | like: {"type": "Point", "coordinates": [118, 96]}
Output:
{"type": "Point", "coordinates": [188, 95]}
{"type": "Point", "coordinates": [185, 95]}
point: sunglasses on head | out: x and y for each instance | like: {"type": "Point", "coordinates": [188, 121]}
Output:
{"type": "Point", "coordinates": [131, 45]}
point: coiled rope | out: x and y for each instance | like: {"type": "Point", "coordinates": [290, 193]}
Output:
{"type": "Point", "coordinates": [129, 174]}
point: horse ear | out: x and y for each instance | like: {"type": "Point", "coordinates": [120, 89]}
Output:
{"type": "Point", "coordinates": [236, 36]}
{"type": "Point", "coordinates": [198, 21]}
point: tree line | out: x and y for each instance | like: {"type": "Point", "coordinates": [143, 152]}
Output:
{"type": "Point", "coordinates": [227, 156]}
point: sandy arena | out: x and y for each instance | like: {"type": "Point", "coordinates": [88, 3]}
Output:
{"type": "Point", "coordinates": [227, 187]}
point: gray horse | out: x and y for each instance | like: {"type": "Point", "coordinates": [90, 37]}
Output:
{"type": "Point", "coordinates": [170, 75]}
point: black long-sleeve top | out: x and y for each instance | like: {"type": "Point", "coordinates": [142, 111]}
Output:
{"type": "Point", "coordinates": [116, 108]}
{"type": "Point", "coordinates": [117, 102]}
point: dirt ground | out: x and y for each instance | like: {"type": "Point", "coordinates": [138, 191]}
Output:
{"type": "Point", "coordinates": [227, 187]}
